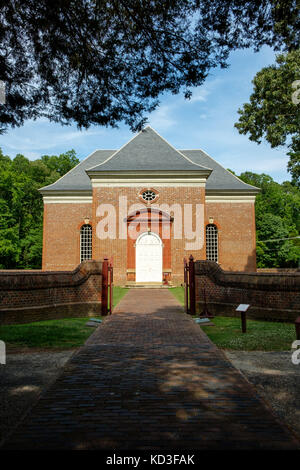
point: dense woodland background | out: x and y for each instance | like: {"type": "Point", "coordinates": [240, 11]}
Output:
{"type": "Point", "coordinates": [21, 212]}
{"type": "Point", "coordinates": [21, 206]}
{"type": "Point", "coordinates": [106, 62]}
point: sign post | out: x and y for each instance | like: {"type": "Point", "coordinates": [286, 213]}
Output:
{"type": "Point", "coordinates": [243, 309]}
{"type": "Point", "coordinates": [297, 326]}
{"type": "Point", "coordinates": [104, 299]}
{"type": "Point", "coordinates": [192, 285]}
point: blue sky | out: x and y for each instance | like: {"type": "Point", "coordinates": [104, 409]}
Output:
{"type": "Point", "coordinates": [206, 122]}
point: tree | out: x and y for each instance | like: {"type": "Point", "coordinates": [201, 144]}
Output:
{"type": "Point", "coordinates": [101, 62]}
{"type": "Point", "coordinates": [277, 211]}
{"type": "Point", "coordinates": [277, 216]}
{"type": "Point", "coordinates": [9, 237]}
{"type": "Point", "coordinates": [272, 113]}
{"type": "Point", "coordinates": [273, 248]}
{"type": "Point", "coordinates": [62, 163]}
{"type": "Point", "coordinates": [21, 206]}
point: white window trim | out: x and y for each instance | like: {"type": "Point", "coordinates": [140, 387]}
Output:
{"type": "Point", "coordinates": [212, 242]}
{"type": "Point", "coordinates": [86, 244]}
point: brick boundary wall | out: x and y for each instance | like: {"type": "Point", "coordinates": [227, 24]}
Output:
{"type": "Point", "coordinates": [272, 296]}
{"type": "Point", "coordinates": [278, 270]}
{"type": "Point", "coordinates": [28, 296]}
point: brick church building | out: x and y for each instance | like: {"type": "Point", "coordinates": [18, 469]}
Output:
{"type": "Point", "coordinates": [149, 205]}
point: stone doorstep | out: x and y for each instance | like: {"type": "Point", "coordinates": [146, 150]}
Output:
{"type": "Point", "coordinates": [148, 285]}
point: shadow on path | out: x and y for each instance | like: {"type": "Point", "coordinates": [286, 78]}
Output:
{"type": "Point", "coordinates": [149, 378]}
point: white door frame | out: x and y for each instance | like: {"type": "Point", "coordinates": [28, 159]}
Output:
{"type": "Point", "coordinates": [152, 273]}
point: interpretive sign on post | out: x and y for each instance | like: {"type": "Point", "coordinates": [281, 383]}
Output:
{"type": "Point", "coordinates": [243, 309]}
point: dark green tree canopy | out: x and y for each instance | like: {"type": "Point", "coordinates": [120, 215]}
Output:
{"type": "Point", "coordinates": [272, 113]}
{"type": "Point", "coordinates": [61, 163]}
{"type": "Point", "coordinates": [277, 211]}
{"type": "Point", "coordinates": [101, 62]}
{"type": "Point", "coordinates": [21, 206]}
{"type": "Point", "coordinates": [277, 215]}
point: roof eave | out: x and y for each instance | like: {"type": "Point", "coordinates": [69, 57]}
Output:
{"type": "Point", "coordinates": [124, 173]}
{"type": "Point", "coordinates": [227, 192]}
{"type": "Point", "coordinates": [66, 192]}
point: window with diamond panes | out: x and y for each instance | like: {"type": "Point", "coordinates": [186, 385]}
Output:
{"type": "Point", "coordinates": [212, 243]}
{"type": "Point", "coordinates": [85, 242]}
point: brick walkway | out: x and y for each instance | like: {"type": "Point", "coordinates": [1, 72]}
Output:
{"type": "Point", "coordinates": [149, 378]}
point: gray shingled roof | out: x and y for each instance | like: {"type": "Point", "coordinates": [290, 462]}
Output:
{"type": "Point", "coordinates": [77, 178]}
{"type": "Point", "coordinates": [145, 152]}
{"type": "Point", "coordinates": [220, 178]}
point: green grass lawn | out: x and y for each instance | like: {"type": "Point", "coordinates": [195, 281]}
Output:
{"type": "Point", "coordinates": [118, 293]}
{"type": "Point", "coordinates": [260, 336]}
{"type": "Point", "coordinates": [178, 292]}
{"type": "Point", "coordinates": [65, 333]}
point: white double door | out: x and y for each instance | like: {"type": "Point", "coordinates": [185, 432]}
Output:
{"type": "Point", "coordinates": [148, 256]}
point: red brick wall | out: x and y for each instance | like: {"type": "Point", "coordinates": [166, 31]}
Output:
{"type": "Point", "coordinates": [235, 221]}
{"type": "Point", "coordinates": [271, 296]}
{"type": "Point", "coordinates": [27, 296]}
{"type": "Point", "coordinates": [236, 231]}
{"type": "Point", "coordinates": [61, 245]}
{"type": "Point", "coordinates": [278, 270]}
{"type": "Point", "coordinates": [118, 248]}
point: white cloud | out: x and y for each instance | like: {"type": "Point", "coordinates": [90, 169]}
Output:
{"type": "Point", "coordinates": [166, 116]}
{"type": "Point", "coordinates": [206, 121]}
{"type": "Point", "coordinates": [200, 94]}
{"type": "Point", "coordinates": [41, 136]}
{"type": "Point", "coordinates": [246, 159]}
{"type": "Point", "coordinates": [32, 155]}
{"type": "Point", "coordinates": [270, 165]}
{"type": "Point", "coordinates": [162, 117]}
{"type": "Point", "coordinates": [79, 134]}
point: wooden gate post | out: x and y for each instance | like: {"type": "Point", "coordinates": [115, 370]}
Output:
{"type": "Point", "coordinates": [192, 285]}
{"type": "Point", "coordinates": [104, 301]}
{"type": "Point", "coordinates": [111, 285]}
{"type": "Point", "coordinates": [186, 285]}
{"type": "Point", "coordinates": [297, 326]}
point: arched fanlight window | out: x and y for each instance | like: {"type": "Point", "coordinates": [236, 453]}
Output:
{"type": "Point", "coordinates": [211, 243]}
{"type": "Point", "coordinates": [85, 242]}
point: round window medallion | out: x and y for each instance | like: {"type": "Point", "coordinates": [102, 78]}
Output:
{"type": "Point", "coordinates": [148, 195]}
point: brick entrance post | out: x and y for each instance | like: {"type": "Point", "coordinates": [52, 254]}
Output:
{"type": "Point", "coordinates": [192, 285]}
{"type": "Point", "coordinates": [104, 300]}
